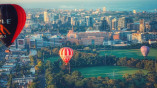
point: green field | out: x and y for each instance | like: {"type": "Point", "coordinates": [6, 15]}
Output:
{"type": "Point", "coordinates": [52, 59]}
{"type": "Point", "coordinates": [131, 53]}
{"type": "Point", "coordinates": [114, 72]}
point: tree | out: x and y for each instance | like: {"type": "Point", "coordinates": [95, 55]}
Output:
{"type": "Point", "coordinates": [36, 67]}
{"type": "Point", "coordinates": [40, 64]}
{"type": "Point", "coordinates": [32, 85]}
{"type": "Point", "coordinates": [68, 43]}
{"type": "Point", "coordinates": [39, 54]}
{"type": "Point", "coordinates": [55, 51]}
{"type": "Point", "coordinates": [10, 81]}
{"type": "Point", "coordinates": [111, 82]}
{"type": "Point", "coordinates": [48, 64]}
{"type": "Point", "coordinates": [51, 86]}
{"type": "Point", "coordinates": [87, 48]}
{"type": "Point", "coordinates": [79, 83]}
{"type": "Point", "coordinates": [126, 75]}
{"type": "Point", "coordinates": [32, 60]}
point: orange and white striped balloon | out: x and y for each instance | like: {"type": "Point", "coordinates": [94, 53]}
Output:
{"type": "Point", "coordinates": [66, 54]}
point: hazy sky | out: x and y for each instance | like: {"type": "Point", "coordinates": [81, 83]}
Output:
{"type": "Point", "coordinates": [87, 4]}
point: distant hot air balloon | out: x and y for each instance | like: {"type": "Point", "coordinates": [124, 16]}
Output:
{"type": "Point", "coordinates": [12, 21]}
{"type": "Point", "coordinates": [66, 54]}
{"type": "Point", "coordinates": [145, 50]}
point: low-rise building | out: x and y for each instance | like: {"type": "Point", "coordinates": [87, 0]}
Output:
{"type": "Point", "coordinates": [90, 37]}
{"type": "Point", "coordinates": [32, 70]}
{"type": "Point", "coordinates": [24, 59]}
{"type": "Point", "coordinates": [23, 82]}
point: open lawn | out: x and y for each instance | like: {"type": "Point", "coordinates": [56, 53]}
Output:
{"type": "Point", "coordinates": [113, 72]}
{"type": "Point", "coordinates": [131, 53]}
{"type": "Point", "coordinates": [52, 59]}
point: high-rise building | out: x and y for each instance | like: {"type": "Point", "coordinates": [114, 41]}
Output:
{"type": "Point", "coordinates": [89, 21]}
{"type": "Point", "coordinates": [46, 18]}
{"type": "Point", "coordinates": [133, 26]}
{"type": "Point", "coordinates": [56, 17]}
{"type": "Point", "coordinates": [109, 21]}
{"type": "Point", "coordinates": [104, 25]}
{"type": "Point", "coordinates": [153, 26]}
{"type": "Point", "coordinates": [64, 19]}
{"type": "Point", "coordinates": [104, 9]}
{"type": "Point", "coordinates": [134, 11]}
{"type": "Point", "coordinates": [143, 37]}
{"type": "Point", "coordinates": [68, 20]}
{"type": "Point", "coordinates": [147, 27]}
{"type": "Point", "coordinates": [114, 24]}
{"type": "Point", "coordinates": [121, 23]}
{"type": "Point", "coordinates": [142, 25]}
{"type": "Point", "coordinates": [128, 20]}
{"type": "Point", "coordinates": [41, 18]}
{"type": "Point", "coordinates": [82, 22]}
{"type": "Point", "coordinates": [72, 20]}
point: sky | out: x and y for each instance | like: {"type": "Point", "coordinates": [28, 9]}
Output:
{"type": "Point", "coordinates": [87, 4]}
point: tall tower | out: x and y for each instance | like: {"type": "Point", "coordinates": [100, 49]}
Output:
{"type": "Point", "coordinates": [104, 25]}
{"type": "Point", "coordinates": [72, 20]}
{"type": "Point", "coordinates": [114, 24]}
{"type": "Point", "coordinates": [142, 25]}
{"type": "Point", "coordinates": [46, 18]}
{"type": "Point", "coordinates": [121, 23]}
{"type": "Point", "coordinates": [109, 21]}
{"type": "Point", "coordinates": [89, 21]}
{"type": "Point", "coordinates": [104, 9]}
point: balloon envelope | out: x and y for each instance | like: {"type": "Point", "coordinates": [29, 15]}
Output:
{"type": "Point", "coordinates": [66, 54]}
{"type": "Point", "coordinates": [145, 50]}
{"type": "Point", "coordinates": [12, 21]}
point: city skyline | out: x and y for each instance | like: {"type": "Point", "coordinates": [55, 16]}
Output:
{"type": "Point", "coordinates": [119, 5]}
{"type": "Point", "coordinates": [113, 42]}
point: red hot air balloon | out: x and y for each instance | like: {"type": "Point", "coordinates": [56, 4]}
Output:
{"type": "Point", "coordinates": [12, 21]}
{"type": "Point", "coordinates": [145, 50]}
{"type": "Point", "coordinates": [66, 54]}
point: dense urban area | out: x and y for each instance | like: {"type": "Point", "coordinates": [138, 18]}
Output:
{"type": "Point", "coordinates": [87, 32]}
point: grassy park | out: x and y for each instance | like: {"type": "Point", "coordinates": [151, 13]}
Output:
{"type": "Point", "coordinates": [52, 59]}
{"type": "Point", "coordinates": [130, 53]}
{"type": "Point", "coordinates": [113, 72]}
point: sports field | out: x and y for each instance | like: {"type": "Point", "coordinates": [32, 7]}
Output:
{"type": "Point", "coordinates": [113, 72]}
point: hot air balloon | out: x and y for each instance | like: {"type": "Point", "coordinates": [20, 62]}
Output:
{"type": "Point", "coordinates": [145, 50]}
{"type": "Point", "coordinates": [12, 21]}
{"type": "Point", "coordinates": [66, 54]}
